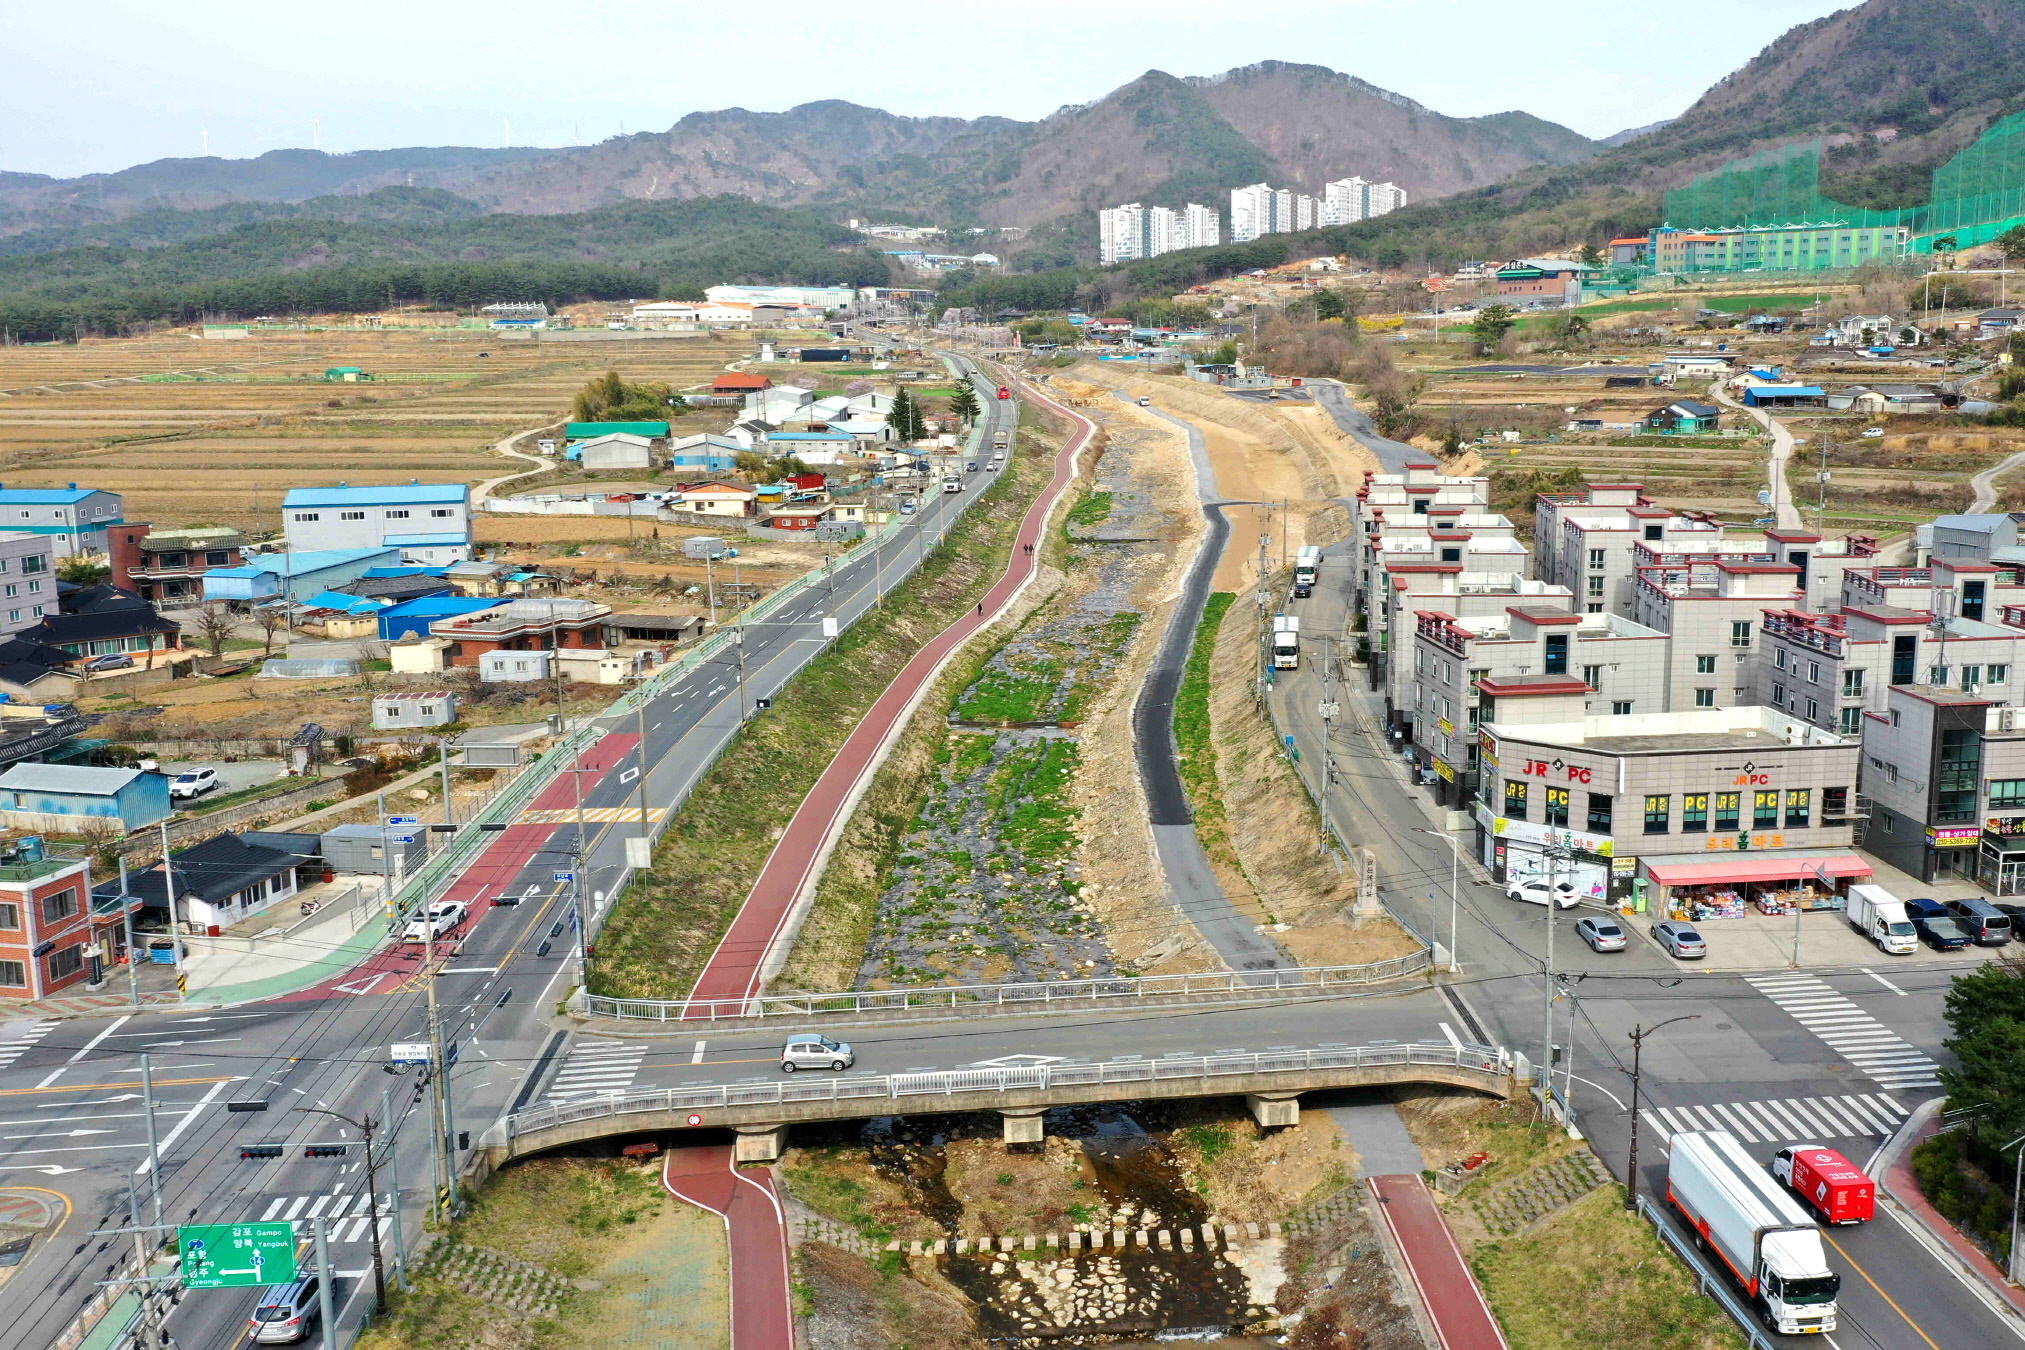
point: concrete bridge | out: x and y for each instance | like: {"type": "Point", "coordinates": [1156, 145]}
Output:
{"type": "Point", "coordinates": [760, 1113]}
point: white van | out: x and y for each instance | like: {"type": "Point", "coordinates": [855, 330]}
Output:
{"type": "Point", "coordinates": [815, 1052]}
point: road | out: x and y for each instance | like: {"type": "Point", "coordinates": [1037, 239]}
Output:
{"type": "Point", "coordinates": [1777, 453]}
{"type": "Point", "coordinates": [1393, 456]}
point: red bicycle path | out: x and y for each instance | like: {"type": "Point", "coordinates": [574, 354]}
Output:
{"type": "Point", "coordinates": [733, 972]}
{"type": "Point", "coordinates": [762, 1310]}
{"type": "Point", "coordinates": [1462, 1320]}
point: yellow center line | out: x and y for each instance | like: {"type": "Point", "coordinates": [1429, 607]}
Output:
{"type": "Point", "coordinates": [93, 1087]}
{"type": "Point", "coordinates": [1880, 1291]}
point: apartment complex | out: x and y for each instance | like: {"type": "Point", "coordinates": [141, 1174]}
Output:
{"type": "Point", "coordinates": [1133, 231]}
{"type": "Point", "coordinates": [1349, 200]}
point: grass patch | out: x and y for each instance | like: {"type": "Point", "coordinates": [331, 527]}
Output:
{"type": "Point", "coordinates": [1092, 508]}
{"type": "Point", "coordinates": [1011, 697]}
{"type": "Point", "coordinates": [664, 926]}
{"type": "Point", "coordinates": [1195, 752]}
{"type": "Point", "coordinates": [1596, 1278]}
{"type": "Point", "coordinates": [204, 806]}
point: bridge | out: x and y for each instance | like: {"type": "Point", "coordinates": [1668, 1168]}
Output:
{"type": "Point", "coordinates": [760, 1113]}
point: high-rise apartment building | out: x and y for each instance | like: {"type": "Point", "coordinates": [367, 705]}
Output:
{"type": "Point", "coordinates": [1348, 200]}
{"type": "Point", "coordinates": [1133, 231]}
{"type": "Point", "coordinates": [1200, 227]}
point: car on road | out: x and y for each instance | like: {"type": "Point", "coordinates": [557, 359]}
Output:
{"type": "Point", "coordinates": [970, 467]}
{"type": "Point", "coordinates": [1680, 940]}
{"type": "Point", "coordinates": [285, 1313]}
{"type": "Point", "coordinates": [193, 782]}
{"type": "Point", "coordinates": [1936, 927]}
{"type": "Point", "coordinates": [810, 1051]}
{"type": "Point", "coordinates": [1533, 890]}
{"type": "Point", "coordinates": [443, 917]}
{"type": "Point", "coordinates": [1602, 935]}
{"type": "Point", "coordinates": [111, 661]}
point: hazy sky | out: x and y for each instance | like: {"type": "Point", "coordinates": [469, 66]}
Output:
{"type": "Point", "coordinates": [120, 83]}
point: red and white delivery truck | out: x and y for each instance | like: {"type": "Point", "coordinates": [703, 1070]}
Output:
{"type": "Point", "coordinates": [1831, 1185]}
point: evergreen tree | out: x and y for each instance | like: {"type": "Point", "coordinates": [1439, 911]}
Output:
{"type": "Point", "coordinates": [904, 417]}
{"type": "Point", "coordinates": [964, 405]}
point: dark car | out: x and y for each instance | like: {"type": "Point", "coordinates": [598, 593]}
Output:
{"type": "Point", "coordinates": [1936, 927]}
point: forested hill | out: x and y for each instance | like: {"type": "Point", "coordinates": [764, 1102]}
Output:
{"type": "Point", "coordinates": [403, 244]}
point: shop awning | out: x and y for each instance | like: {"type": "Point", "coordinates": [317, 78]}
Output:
{"type": "Point", "coordinates": [1762, 867]}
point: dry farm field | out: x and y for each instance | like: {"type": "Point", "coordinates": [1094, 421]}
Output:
{"type": "Point", "coordinates": [194, 431]}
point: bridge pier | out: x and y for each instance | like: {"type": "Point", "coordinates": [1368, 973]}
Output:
{"type": "Point", "coordinates": [1273, 1109]}
{"type": "Point", "coordinates": [1024, 1125]}
{"type": "Point", "coordinates": [759, 1143]}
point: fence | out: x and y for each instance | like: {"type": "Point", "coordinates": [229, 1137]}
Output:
{"type": "Point", "coordinates": [1711, 1284]}
{"type": "Point", "coordinates": [1038, 1078]}
{"type": "Point", "coordinates": [1023, 998]}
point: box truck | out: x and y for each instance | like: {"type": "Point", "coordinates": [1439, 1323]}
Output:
{"type": "Point", "coordinates": [1827, 1183]}
{"type": "Point", "coordinates": [1305, 564]}
{"type": "Point", "coordinates": [1880, 916]}
{"type": "Point", "coordinates": [1755, 1231]}
{"type": "Point", "coordinates": [1286, 642]}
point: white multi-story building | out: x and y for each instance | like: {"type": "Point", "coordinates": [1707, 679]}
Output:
{"type": "Point", "coordinates": [1251, 212]}
{"type": "Point", "coordinates": [1348, 200]}
{"type": "Point", "coordinates": [429, 522]}
{"type": "Point", "coordinates": [1133, 231]}
{"type": "Point", "coordinates": [1200, 227]}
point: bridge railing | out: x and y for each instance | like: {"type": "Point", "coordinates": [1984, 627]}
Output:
{"type": "Point", "coordinates": [1033, 1078]}
{"type": "Point", "coordinates": [1037, 994]}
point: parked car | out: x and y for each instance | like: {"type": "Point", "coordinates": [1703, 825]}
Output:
{"type": "Point", "coordinates": [1936, 927]}
{"type": "Point", "coordinates": [1534, 891]}
{"type": "Point", "coordinates": [193, 782]}
{"type": "Point", "coordinates": [1602, 935]}
{"type": "Point", "coordinates": [285, 1313]}
{"type": "Point", "coordinates": [1986, 925]}
{"type": "Point", "coordinates": [111, 661]}
{"type": "Point", "coordinates": [810, 1051]}
{"type": "Point", "coordinates": [443, 917]}
{"type": "Point", "coordinates": [1680, 940]}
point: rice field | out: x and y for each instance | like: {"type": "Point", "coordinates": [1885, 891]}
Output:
{"type": "Point", "coordinates": [214, 432]}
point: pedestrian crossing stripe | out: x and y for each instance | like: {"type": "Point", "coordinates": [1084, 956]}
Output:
{"type": "Point", "coordinates": [597, 1069]}
{"type": "Point", "coordinates": [595, 815]}
{"type": "Point", "coordinates": [1793, 1120]}
{"type": "Point", "coordinates": [346, 1215]}
{"type": "Point", "coordinates": [16, 1046]}
{"type": "Point", "coordinates": [1858, 1039]}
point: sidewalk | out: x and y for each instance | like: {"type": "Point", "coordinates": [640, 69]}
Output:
{"type": "Point", "coordinates": [1904, 1192]}
{"type": "Point", "coordinates": [1447, 1290]}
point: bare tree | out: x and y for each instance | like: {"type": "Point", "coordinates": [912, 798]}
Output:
{"type": "Point", "coordinates": [214, 624]}
{"type": "Point", "coordinates": [272, 620]}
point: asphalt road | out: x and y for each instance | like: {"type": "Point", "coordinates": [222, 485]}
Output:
{"type": "Point", "coordinates": [1357, 425]}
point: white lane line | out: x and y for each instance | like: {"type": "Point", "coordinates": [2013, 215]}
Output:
{"type": "Point", "coordinates": [696, 1055]}
{"type": "Point", "coordinates": [85, 1049]}
{"type": "Point", "coordinates": [1887, 984]}
{"type": "Point", "coordinates": [189, 1119]}
{"type": "Point", "coordinates": [1449, 1032]}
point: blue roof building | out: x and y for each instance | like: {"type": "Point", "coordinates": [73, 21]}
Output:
{"type": "Point", "coordinates": [430, 523]}
{"type": "Point", "coordinates": [411, 618]}
{"type": "Point", "coordinates": [59, 797]}
{"type": "Point", "coordinates": [74, 519]}
{"type": "Point", "coordinates": [295, 575]}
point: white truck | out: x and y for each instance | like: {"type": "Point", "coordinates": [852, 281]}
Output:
{"type": "Point", "coordinates": [1305, 565]}
{"type": "Point", "coordinates": [1755, 1230]}
{"type": "Point", "coordinates": [1880, 916]}
{"type": "Point", "coordinates": [1286, 642]}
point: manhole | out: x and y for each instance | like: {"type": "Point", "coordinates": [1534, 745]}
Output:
{"type": "Point", "coordinates": [1725, 1026]}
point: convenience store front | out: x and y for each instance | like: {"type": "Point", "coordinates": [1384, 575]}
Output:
{"type": "Point", "coordinates": [1698, 889]}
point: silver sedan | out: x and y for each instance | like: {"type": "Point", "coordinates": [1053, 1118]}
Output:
{"type": "Point", "coordinates": [1602, 935]}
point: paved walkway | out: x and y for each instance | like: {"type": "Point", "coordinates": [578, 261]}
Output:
{"type": "Point", "coordinates": [1784, 514]}
{"type": "Point", "coordinates": [765, 921]}
{"type": "Point", "coordinates": [1901, 1188]}
{"type": "Point", "coordinates": [762, 1311]}
{"type": "Point", "coordinates": [1449, 1293]}
{"type": "Point", "coordinates": [1984, 484]}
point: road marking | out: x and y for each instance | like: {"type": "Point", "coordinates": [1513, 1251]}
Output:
{"type": "Point", "coordinates": [1880, 1291]}
{"type": "Point", "coordinates": [1792, 1120]}
{"type": "Point", "coordinates": [468, 970]}
{"type": "Point", "coordinates": [1886, 983]}
{"type": "Point", "coordinates": [1858, 1038]}
{"type": "Point", "coordinates": [696, 1057]}
{"type": "Point", "coordinates": [189, 1119]}
{"type": "Point", "coordinates": [1449, 1032]}
{"type": "Point", "coordinates": [13, 1050]}
{"type": "Point", "coordinates": [90, 1087]}
{"type": "Point", "coordinates": [85, 1049]}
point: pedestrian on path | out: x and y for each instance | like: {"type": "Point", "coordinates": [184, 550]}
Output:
{"type": "Point", "coordinates": [980, 609]}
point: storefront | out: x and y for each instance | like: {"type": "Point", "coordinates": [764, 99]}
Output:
{"type": "Point", "coordinates": [1695, 888]}
{"type": "Point", "coordinates": [1514, 850]}
{"type": "Point", "coordinates": [2000, 859]}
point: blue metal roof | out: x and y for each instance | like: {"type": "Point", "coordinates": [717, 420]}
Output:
{"type": "Point", "coordinates": [442, 606]}
{"type": "Point", "coordinates": [392, 494]}
{"type": "Point", "coordinates": [44, 496]}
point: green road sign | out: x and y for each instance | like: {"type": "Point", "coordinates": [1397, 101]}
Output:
{"type": "Point", "coordinates": [230, 1255]}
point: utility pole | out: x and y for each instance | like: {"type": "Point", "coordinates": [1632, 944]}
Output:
{"type": "Point", "coordinates": [154, 1143]}
{"type": "Point", "coordinates": [439, 1074]}
{"type": "Point", "coordinates": [1638, 1035]}
{"type": "Point", "coordinates": [326, 1298]}
{"type": "Point", "coordinates": [1546, 1072]}
{"type": "Point", "coordinates": [389, 1124]}
{"type": "Point", "coordinates": [1821, 487]}
{"type": "Point", "coordinates": [365, 1127]}
{"type": "Point", "coordinates": [151, 1336]}
{"type": "Point", "coordinates": [127, 929]}
{"type": "Point", "coordinates": [443, 762]}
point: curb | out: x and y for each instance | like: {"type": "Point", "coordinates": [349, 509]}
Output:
{"type": "Point", "coordinates": [1955, 1253]}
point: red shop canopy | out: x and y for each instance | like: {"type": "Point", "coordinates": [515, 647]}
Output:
{"type": "Point", "coordinates": [1762, 868]}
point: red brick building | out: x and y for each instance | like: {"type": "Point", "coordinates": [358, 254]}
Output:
{"type": "Point", "coordinates": [167, 567]}
{"type": "Point", "coordinates": [52, 933]}
{"type": "Point", "coordinates": [522, 626]}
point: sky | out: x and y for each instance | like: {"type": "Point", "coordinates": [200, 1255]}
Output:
{"type": "Point", "coordinates": [123, 83]}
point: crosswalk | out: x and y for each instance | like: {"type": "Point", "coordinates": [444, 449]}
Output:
{"type": "Point", "coordinates": [1860, 1040]}
{"type": "Point", "coordinates": [1792, 1120]}
{"type": "Point", "coordinates": [596, 1069]}
{"type": "Point", "coordinates": [17, 1038]}
{"type": "Point", "coordinates": [346, 1213]}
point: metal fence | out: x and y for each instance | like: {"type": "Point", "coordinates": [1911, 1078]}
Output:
{"type": "Point", "coordinates": [1712, 1284]}
{"type": "Point", "coordinates": [1034, 996]}
{"type": "Point", "coordinates": [1038, 1078]}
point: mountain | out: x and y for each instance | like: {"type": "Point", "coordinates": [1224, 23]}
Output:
{"type": "Point", "coordinates": [1158, 138]}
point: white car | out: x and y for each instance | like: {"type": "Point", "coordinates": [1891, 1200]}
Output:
{"type": "Point", "coordinates": [443, 917]}
{"type": "Point", "coordinates": [1534, 891]}
{"type": "Point", "coordinates": [193, 783]}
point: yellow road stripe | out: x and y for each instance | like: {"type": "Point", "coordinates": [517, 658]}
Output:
{"type": "Point", "coordinates": [93, 1087]}
{"type": "Point", "coordinates": [1880, 1292]}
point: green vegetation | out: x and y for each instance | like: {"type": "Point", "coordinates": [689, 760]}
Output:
{"type": "Point", "coordinates": [1034, 780]}
{"type": "Point", "coordinates": [1211, 1141]}
{"type": "Point", "coordinates": [611, 399]}
{"type": "Point", "coordinates": [1090, 509]}
{"type": "Point", "coordinates": [1964, 1172]}
{"type": "Point", "coordinates": [1011, 697]}
{"type": "Point", "coordinates": [906, 418]}
{"type": "Point", "coordinates": [1195, 752]}
{"type": "Point", "coordinates": [820, 1179]}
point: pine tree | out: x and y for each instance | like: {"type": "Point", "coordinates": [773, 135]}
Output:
{"type": "Point", "coordinates": [905, 417]}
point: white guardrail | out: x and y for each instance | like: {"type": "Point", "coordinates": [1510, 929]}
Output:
{"type": "Point", "coordinates": [1038, 994]}
{"type": "Point", "coordinates": [826, 1088]}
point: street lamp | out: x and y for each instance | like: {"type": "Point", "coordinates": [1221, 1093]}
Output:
{"type": "Point", "coordinates": [1638, 1035]}
{"type": "Point", "coordinates": [1455, 895]}
{"type": "Point", "coordinates": [2017, 1166]}
{"type": "Point", "coordinates": [366, 1128]}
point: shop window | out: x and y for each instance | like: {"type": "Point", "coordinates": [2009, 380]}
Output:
{"type": "Point", "coordinates": [1727, 806]}
{"type": "Point", "coordinates": [1705, 698]}
{"type": "Point", "coordinates": [66, 963]}
{"type": "Point", "coordinates": [1599, 813]}
{"type": "Point", "coordinates": [1694, 813]}
{"type": "Point", "coordinates": [1658, 814]}
{"type": "Point", "coordinates": [13, 975]}
{"type": "Point", "coordinates": [1515, 801]}
{"type": "Point", "coordinates": [1556, 808]}
{"type": "Point", "coordinates": [1799, 803]}
{"type": "Point", "coordinates": [2006, 794]}
{"type": "Point", "coordinates": [1705, 665]}
{"type": "Point", "coordinates": [1765, 810]}
{"type": "Point", "coordinates": [1834, 803]}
